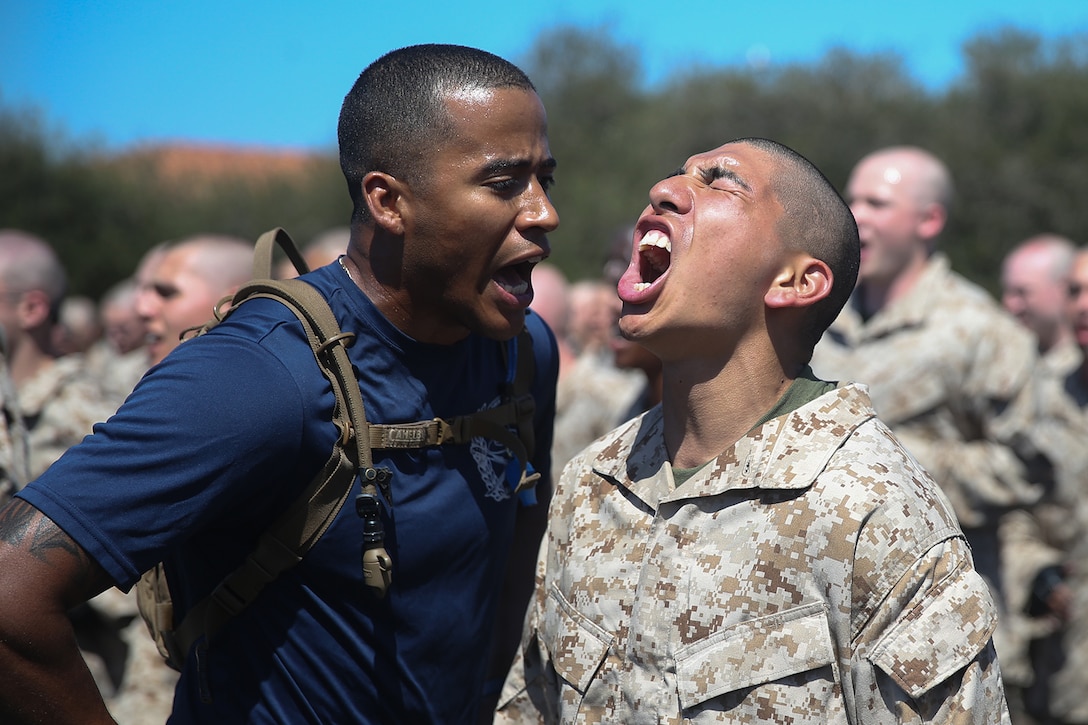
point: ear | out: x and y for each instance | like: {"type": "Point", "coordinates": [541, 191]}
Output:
{"type": "Point", "coordinates": [386, 198]}
{"type": "Point", "coordinates": [932, 221]}
{"type": "Point", "coordinates": [33, 309]}
{"type": "Point", "coordinates": [802, 282]}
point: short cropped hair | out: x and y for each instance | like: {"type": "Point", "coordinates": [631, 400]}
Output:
{"type": "Point", "coordinates": [223, 262]}
{"type": "Point", "coordinates": [28, 262]}
{"type": "Point", "coordinates": [395, 112]}
{"type": "Point", "coordinates": [815, 220]}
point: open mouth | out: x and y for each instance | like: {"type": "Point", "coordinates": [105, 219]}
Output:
{"type": "Point", "coordinates": [514, 279]}
{"type": "Point", "coordinates": [654, 256]}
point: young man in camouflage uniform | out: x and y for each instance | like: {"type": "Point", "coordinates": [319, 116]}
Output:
{"type": "Point", "coordinates": [759, 547]}
{"type": "Point", "coordinates": [1051, 539]}
{"type": "Point", "coordinates": [948, 370]}
{"type": "Point", "coordinates": [58, 400]}
{"type": "Point", "coordinates": [1035, 290]}
{"type": "Point", "coordinates": [14, 453]}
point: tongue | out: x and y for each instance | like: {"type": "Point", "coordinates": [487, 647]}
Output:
{"type": "Point", "coordinates": [509, 279]}
{"type": "Point", "coordinates": [655, 262]}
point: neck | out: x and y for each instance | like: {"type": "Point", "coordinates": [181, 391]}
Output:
{"type": "Point", "coordinates": [26, 360]}
{"type": "Point", "coordinates": [878, 294]}
{"type": "Point", "coordinates": [1060, 335]}
{"type": "Point", "coordinates": [708, 407]}
{"type": "Point", "coordinates": [396, 305]}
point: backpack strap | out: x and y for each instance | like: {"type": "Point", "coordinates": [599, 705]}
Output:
{"type": "Point", "coordinates": [510, 423]}
{"type": "Point", "coordinates": [262, 253]}
{"type": "Point", "coordinates": [298, 528]}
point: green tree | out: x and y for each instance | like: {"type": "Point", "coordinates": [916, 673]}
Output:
{"type": "Point", "coordinates": [1014, 136]}
{"type": "Point", "coordinates": [590, 85]}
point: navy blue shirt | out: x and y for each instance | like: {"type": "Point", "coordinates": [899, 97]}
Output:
{"type": "Point", "coordinates": [224, 433]}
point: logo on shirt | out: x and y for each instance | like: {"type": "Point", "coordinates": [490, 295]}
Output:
{"type": "Point", "coordinates": [492, 459]}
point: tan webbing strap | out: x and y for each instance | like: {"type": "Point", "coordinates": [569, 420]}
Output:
{"type": "Point", "coordinates": [288, 539]}
{"type": "Point", "coordinates": [263, 249]}
{"type": "Point", "coordinates": [298, 528]}
{"type": "Point", "coordinates": [516, 412]}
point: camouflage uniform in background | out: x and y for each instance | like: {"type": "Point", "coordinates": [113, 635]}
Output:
{"type": "Point", "coordinates": [115, 373]}
{"type": "Point", "coordinates": [953, 376]}
{"type": "Point", "coordinates": [811, 573]}
{"type": "Point", "coordinates": [1054, 532]}
{"type": "Point", "coordinates": [145, 694]}
{"type": "Point", "coordinates": [590, 400]}
{"type": "Point", "coordinates": [1062, 359]}
{"type": "Point", "coordinates": [14, 454]}
{"type": "Point", "coordinates": [60, 405]}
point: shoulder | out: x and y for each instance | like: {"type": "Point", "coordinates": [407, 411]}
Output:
{"type": "Point", "coordinates": [65, 385]}
{"type": "Point", "coordinates": [873, 459]}
{"type": "Point", "coordinates": [966, 323]}
{"type": "Point", "coordinates": [901, 511]}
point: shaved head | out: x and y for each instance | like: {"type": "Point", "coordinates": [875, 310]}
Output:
{"type": "Point", "coordinates": [223, 262]}
{"type": "Point", "coordinates": [28, 263]}
{"type": "Point", "coordinates": [1035, 286]}
{"type": "Point", "coordinates": [185, 285]}
{"type": "Point", "coordinates": [817, 221]}
{"type": "Point", "coordinates": [922, 175]}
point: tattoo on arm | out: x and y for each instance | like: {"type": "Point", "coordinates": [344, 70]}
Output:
{"type": "Point", "coordinates": [22, 525]}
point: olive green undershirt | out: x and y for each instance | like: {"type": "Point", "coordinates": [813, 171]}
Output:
{"type": "Point", "coordinates": [805, 388]}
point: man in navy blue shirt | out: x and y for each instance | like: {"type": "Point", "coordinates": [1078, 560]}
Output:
{"type": "Point", "coordinates": [445, 154]}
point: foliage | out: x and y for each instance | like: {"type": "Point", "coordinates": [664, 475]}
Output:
{"type": "Point", "coordinates": [102, 213]}
{"type": "Point", "coordinates": [1011, 130]}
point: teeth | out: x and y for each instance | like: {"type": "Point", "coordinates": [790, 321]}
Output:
{"type": "Point", "coordinates": [515, 289]}
{"type": "Point", "coordinates": [639, 286]}
{"type": "Point", "coordinates": [655, 238]}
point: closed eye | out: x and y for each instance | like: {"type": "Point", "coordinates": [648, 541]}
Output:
{"type": "Point", "coordinates": [710, 174]}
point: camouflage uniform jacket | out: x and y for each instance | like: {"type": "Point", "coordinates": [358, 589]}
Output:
{"type": "Point", "coordinates": [14, 453]}
{"type": "Point", "coordinates": [1055, 532]}
{"type": "Point", "coordinates": [811, 573]}
{"type": "Point", "coordinates": [60, 405]}
{"type": "Point", "coordinates": [116, 373]}
{"type": "Point", "coordinates": [951, 374]}
{"type": "Point", "coordinates": [590, 400]}
{"type": "Point", "coordinates": [1062, 359]}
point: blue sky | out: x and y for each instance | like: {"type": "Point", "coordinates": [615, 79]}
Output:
{"type": "Point", "coordinates": [273, 73]}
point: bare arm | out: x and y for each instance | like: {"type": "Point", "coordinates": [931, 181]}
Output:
{"type": "Point", "coordinates": [45, 573]}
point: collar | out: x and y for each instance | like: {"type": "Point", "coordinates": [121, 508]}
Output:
{"type": "Point", "coordinates": [785, 453]}
{"type": "Point", "coordinates": [910, 310]}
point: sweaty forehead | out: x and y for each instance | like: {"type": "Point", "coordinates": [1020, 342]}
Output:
{"type": "Point", "coordinates": [891, 173]}
{"type": "Point", "coordinates": [749, 166]}
{"type": "Point", "coordinates": [731, 155]}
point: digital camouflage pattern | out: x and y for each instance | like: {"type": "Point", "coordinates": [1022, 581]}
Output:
{"type": "Point", "coordinates": [116, 373]}
{"type": "Point", "coordinates": [60, 405]}
{"type": "Point", "coordinates": [950, 373]}
{"type": "Point", "coordinates": [1055, 532]}
{"type": "Point", "coordinates": [14, 454]}
{"type": "Point", "coordinates": [811, 573]}
{"type": "Point", "coordinates": [1062, 359]}
{"type": "Point", "coordinates": [590, 400]}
